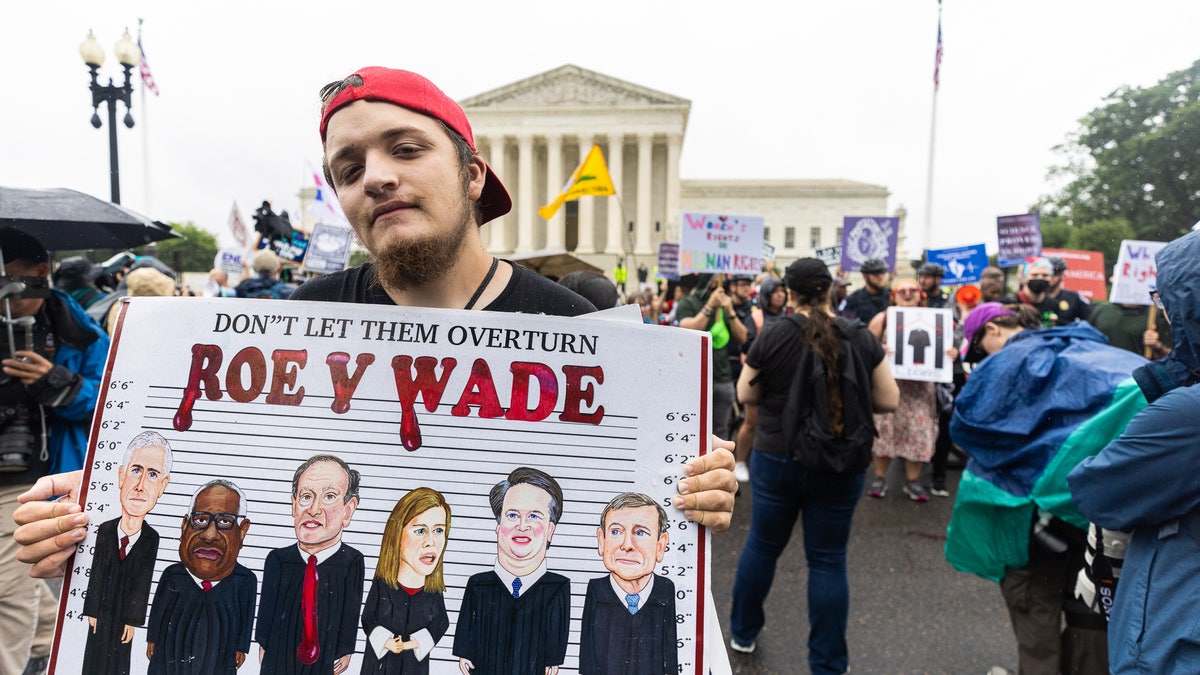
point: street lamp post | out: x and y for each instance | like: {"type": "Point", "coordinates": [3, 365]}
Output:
{"type": "Point", "coordinates": [93, 55]}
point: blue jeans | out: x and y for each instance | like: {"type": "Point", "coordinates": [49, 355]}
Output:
{"type": "Point", "coordinates": [782, 491]}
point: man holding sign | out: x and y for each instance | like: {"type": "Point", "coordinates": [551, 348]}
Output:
{"type": "Point", "coordinates": [401, 156]}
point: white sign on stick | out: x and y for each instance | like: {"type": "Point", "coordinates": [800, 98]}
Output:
{"type": "Point", "coordinates": [1136, 273]}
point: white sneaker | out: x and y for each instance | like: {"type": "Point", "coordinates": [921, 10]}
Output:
{"type": "Point", "coordinates": [741, 472]}
{"type": "Point", "coordinates": [741, 648]}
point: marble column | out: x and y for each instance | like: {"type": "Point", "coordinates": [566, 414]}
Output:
{"type": "Point", "coordinates": [526, 209]}
{"type": "Point", "coordinates": [616, 170]}
{"type": "Point", "coordinates": [587, 205]}
{"type": "Point", "coordinates": [498, 237]}
{"type": "Point", "coordinates": [645, 196]}
{"type": "Point", "coordinates": [671, 230]}
{"type": "Point", "coordinates": [555, 227]}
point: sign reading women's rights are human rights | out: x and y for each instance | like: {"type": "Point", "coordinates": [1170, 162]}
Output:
{"type": "Point", "coordinates": [721, 243]}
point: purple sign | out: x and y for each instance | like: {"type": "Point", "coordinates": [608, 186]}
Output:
{"type": "Point", "coordinates": [668, 261]}
{"type": "Point", "coordinates": [1020, 238]}
{"type": "Point", "coordinates": [866, 237]}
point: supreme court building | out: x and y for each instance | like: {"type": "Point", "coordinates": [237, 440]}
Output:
{"type": "Point", "coordinates": [534, 132]}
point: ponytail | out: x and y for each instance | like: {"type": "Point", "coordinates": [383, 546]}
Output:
{"type": "Point", "coordinates": [820, 333]}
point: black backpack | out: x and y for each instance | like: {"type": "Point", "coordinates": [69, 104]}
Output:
{"type": "Point", "coordinates": [806, 415]}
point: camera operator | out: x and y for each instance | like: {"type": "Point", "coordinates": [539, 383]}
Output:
{"type": "Point", "coordinates": [48, 390]}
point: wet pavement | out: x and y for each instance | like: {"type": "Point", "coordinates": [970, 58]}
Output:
{"type": "Point", "coordinates": [910, 612]}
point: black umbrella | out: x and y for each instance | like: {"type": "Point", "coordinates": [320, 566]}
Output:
{"type": "Point", "coordinates": [66, 220]}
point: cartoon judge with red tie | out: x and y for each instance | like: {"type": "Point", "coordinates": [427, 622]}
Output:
{"type": "Point", "coordinates": [312, 591]}
{"type": "Point", "coordinates": [123, 566]}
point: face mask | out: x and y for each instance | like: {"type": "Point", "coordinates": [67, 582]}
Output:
{"type": "Point", "coordinates": [1037, 286]}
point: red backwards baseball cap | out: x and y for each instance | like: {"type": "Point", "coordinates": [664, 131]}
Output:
{"type": "Point", "coordinates": [410, 90]}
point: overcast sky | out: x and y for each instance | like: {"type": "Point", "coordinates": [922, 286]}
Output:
{"type": "Point", "coordinates": [780, 90]}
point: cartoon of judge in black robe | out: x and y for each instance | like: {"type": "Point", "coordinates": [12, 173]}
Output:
{"type": "Point", "coordinates": [629, 614]}
{"type": "Point", "coordinates": [514, 618]}
{"type": "Point", "coordinates": [123, 566]}
{"type": "Point", "coordinates": [203, 610]}
{"type": "Point", "coordinates": [312, 590]}
{"type": "Point", "coordinates": [405, 613]}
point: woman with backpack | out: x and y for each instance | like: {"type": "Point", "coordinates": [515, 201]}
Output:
{"type": "Point", "coordinates": [816, 379]}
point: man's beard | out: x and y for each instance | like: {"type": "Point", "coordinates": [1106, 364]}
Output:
{"type": "Point", "coordinates": [412, 264]}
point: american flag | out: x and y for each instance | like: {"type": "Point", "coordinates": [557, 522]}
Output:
{"type": "Point", "coordinates": [937, 58]}
{"type": "Point", "coordinates": [144, 67]}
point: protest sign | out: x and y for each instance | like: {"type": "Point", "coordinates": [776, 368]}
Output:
{"type": "Point", "coordinates": [714, 242]}
{"type": "Point", "coordinates": [918, 338]}
{"type": "Point", "coordinates": [1020, 237]}
{"type": "Point", "coordinates": [768, 250]}
{"type": "Point", "coordinates": [830, 255]}
{"type": "Point", "coordinates": [329, 248]}
{"type": "Point", "coordinates": [1136, 272]}
{"type": "Point", "coordinates": [230, 260]}
{"type": "Point", "coordinates": [865, 237]}
{"type": "Point", "coordinates": [290, 252]}
{"type": "Point", "coordinates": [668, 261]}
{"type": "Point", "coordinates": [453, 402]}
{"type": "Point", "coordinates": [1085, 272]}
{"type": "Point", "coordinates": [963, 264]}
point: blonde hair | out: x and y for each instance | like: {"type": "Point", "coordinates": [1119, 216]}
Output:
{"type": "Point", "coordinates": [410, 506]}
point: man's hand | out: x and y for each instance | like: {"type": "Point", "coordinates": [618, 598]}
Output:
{"type": "Point", "coordinates": [29, 367]}
{"type": "Point", "coordinates": [392, 644]}
{"type": "Point", "coordinates": [92, 623]}
{"type": "Point", "coordinates": [261, 653]}
{"type": "Point", "coordinates": [238, 660]}
{"type": "Point", "coordinates": [552, 670]}
{"type": "Point", "coordinates": [150, 652]}
{"type": "Point", "coordinates": [465, 666]}
{"type": "Point", "coordinates": [49, 531]}
{"type": "Point", "coordinates": [706, 495]}
{"type": "Point", "coordinates": [126, 634]}
{"type": "Point", "coordinates": [341, 665]}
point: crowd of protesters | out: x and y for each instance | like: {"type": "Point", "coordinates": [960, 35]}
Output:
{"type": "Point", "coordinates": [799, 367]}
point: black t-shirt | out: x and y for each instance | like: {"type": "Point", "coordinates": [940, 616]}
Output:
{"type": "Point", "coordinates": [527, 292]}
{"type": "Point", "coordinates": [775, 354]}
{"type": "Point", "coordinates": [1067, 308]}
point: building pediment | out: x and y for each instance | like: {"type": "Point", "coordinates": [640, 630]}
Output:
{"type": "Point", "coordinates": [572, 86]}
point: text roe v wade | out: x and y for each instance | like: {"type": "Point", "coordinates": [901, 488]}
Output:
{"type": "Point", "coordinates": [405, 331]}
{"type": "Point", "coordinates": [245, 377]}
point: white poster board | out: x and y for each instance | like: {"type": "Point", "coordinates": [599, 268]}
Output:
{"type": "Point", "coordinates": [720, 243]}
{"type": "Point", "coordinates": [918, 339]}
{"type": "Point", "coordinates": [328, 248]}
{"type": "Point", "coordinates": [1136, 272]}
{"type": "Point", "coordinates": [244, 390]}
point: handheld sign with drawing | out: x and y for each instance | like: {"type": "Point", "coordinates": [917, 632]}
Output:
{"type": "Point", "coordinates": [919, 338]}
{"type": "Point", "coordinates": [292, 443]}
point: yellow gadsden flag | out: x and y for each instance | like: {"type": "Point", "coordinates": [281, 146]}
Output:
{"type": "Point", "coordinates": [590, 179]}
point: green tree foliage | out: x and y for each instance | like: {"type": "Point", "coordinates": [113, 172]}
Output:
{"type": "Point", "coordinates": [1104, 235]}
{"type": "Point", "coordinates": [195, 252]}
{"type": "Point", "coordinates": [1135, 158]}
{"type": "Point", "coordinates": [1056, 232]}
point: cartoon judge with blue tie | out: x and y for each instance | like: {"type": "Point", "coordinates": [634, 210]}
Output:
{"type": "Point", "coordinates": [629, 614]}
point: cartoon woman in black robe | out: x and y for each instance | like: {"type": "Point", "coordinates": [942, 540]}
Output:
{"type": "Point", "coordinates": [405, 614]}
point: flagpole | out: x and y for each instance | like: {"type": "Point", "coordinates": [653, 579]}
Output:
{"type": "Point", "coordinates": [932, 137]}
{"type": "Point", "coordinates": [147, 204]}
